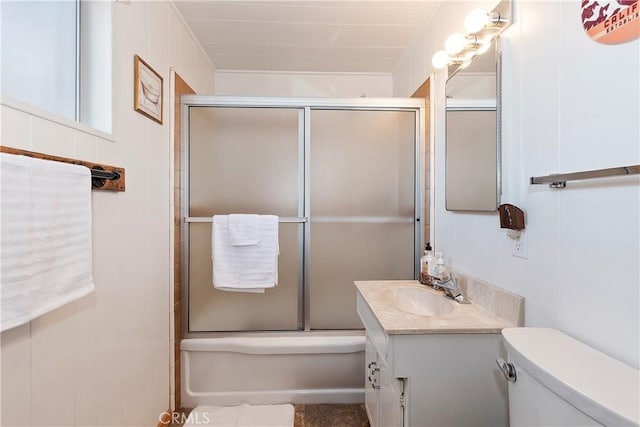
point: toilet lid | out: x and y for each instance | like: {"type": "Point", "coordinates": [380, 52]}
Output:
{"type": "Point", "coordinates": [602, 387]}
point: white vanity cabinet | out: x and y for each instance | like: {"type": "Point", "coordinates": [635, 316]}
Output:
{"type": "Point", "coordinates": [431, 378]}
{"type": "Point", "coordinates": [384, 394]}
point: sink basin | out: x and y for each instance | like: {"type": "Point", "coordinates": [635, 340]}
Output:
{"type": "Point", "coordinates": [419, 301]}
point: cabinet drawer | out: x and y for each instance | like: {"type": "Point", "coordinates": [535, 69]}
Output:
{"type": "Point", "coordinates": [374, 330]}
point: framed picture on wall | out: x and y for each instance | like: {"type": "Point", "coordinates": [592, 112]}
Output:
{"type": "Point", "coordinates": [148, 89]}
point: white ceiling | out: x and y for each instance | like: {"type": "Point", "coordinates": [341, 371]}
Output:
{"type": "Point", "coordinates": [333, 36]}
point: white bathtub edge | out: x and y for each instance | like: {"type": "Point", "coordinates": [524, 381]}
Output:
{"type": "Point", "coordinates": [318, 396]}
{"type": "Point", "coordinates": [277, 345]}
{"type": "Point", "coordinates": [310, 363]}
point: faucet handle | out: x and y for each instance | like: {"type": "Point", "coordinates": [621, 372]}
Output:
{"type": "Point", "coordinates": [442, 275]}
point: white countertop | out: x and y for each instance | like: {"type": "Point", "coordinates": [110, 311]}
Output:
{"type": "Point", "coordinates": [464, 318]}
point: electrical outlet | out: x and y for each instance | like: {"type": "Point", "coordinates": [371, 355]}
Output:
{"type": "Point", "coordinates": [519, 247]}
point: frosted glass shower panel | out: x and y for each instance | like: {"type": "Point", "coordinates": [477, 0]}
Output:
{"type": "Point", "coordinates": [345, 252]}
{"type": "Point", "coordinates": [244, 160]}
{"type": "Point", "coordinates": [362, 179]}
{"type": "Point", "coordinates": [362, 163]}
{"type": "Point", "coordinates": [211, 309]}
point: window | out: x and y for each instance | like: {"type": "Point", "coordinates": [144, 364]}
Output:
{"type": "Point", "coordinates": [56, 56]}
{"type": "Point", "coordinates": [39, 54]}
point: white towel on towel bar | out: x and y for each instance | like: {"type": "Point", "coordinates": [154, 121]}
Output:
{"type": "Point", "coordinates": [46, 237]}
{"type": "Point", "coordinates": [245, 268]}
{"type": "Point", "coordinates": [244, 229]}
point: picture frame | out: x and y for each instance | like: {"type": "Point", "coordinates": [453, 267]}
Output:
{"type": "Point", "coordinates": [148, 90]}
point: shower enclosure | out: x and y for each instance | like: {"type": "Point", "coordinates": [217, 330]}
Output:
{"type": "Point", "coordinates": [344, 177]}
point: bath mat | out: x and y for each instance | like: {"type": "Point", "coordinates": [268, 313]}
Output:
{"type": "Point", "coordinates": [242, 416]}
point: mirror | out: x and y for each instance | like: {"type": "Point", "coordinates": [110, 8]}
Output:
{"type": "Point", "coordinates": [472, 166]}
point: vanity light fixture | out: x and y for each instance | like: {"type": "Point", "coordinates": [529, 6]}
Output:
{"type": "Point", "coordinates": [458, 42]}
{"type": "Point", "coordinates": [481, 28]}
{"type": "Point", "coordinates": [455, 43]}
{"type": "Point", "coordinates": [478, 19]}
{"type": "Point", "coordinates": [440, 59]}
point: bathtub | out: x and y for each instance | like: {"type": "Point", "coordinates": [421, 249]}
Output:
{"type": "Point", "coordinates": [272, 369]}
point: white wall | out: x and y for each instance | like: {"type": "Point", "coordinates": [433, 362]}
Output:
{"type": "Point", "coordinates": [249, 83]}
{"type": "Point", "coordinates": [570, 104]}
{"type": "Point", "coordinates": [105, 359]}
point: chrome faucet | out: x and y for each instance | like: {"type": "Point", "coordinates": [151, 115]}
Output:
{"type": "Point", "coordinates": [450, 287]}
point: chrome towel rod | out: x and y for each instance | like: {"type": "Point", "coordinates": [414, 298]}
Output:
{"type": "Point", "coordinates": [210, 219]}
{"type": "Point", "coordinates": [560, 180]}
{"type": "Point", "coordinates": [330, 219]}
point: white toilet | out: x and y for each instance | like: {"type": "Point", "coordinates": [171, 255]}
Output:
{"type": "Point", "coordinates": [560, 381]}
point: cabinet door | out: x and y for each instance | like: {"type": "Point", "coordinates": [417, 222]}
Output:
{"type": "Point", "coordinates": [390, 406]}
{"type": "Point", "coordinates": [370, 393]}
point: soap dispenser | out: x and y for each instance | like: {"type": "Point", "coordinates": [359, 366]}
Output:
{"type": "Point", "coordinates": [438, 270]}
{"type": "Point", "coordinates": [425, 262]}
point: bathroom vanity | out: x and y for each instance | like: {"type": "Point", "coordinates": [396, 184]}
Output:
{"type": "Point", "coordinates": [430, 360]}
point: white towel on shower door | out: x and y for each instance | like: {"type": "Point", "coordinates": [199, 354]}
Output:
{"type": "Point", "coordinates": [245, 268]}
{"type": "Point", "coordinates": [46, 237]}
{"type": "Point", "coordinates": [244, 229]}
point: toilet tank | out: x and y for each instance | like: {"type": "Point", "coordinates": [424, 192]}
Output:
{"type": "Point", "coordinates": [561, 381]}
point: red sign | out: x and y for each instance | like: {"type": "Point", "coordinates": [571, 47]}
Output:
{"type": "Point", "coordinates": [611, 21]}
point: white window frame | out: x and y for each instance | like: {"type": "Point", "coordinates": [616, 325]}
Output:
{"type": "Point", "coordinates": [93, 93]}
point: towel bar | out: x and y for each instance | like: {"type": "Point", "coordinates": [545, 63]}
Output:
{"type": "Point", "coordinates": [329, 219]}
{"type": "Point", "coordinates": [560, 180]}
{"type": "Point", "coordinates": [99, 176]}
{"type": "Point", "coordinates": [210, 219]}
{"type": "Point", "coordinates": [103, 177]}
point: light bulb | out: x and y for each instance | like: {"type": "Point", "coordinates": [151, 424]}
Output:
{"type": "Point", "coordinates": [455, 43]}
{"type": "Point", "coordinates": [440, 59]}
{"type": "Point", "coordinates": [476, 20]}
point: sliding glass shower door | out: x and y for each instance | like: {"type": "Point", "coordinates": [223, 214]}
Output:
{"type": "Point", "coordinates": [362, 207]}
{"type": "Point", "coordinates": [243, 160]}
{"type": "Point", "coordinates": [343, 180]}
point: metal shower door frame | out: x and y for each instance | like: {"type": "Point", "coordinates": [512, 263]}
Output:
{"type": "Point", "coordinates": [305, 107]}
